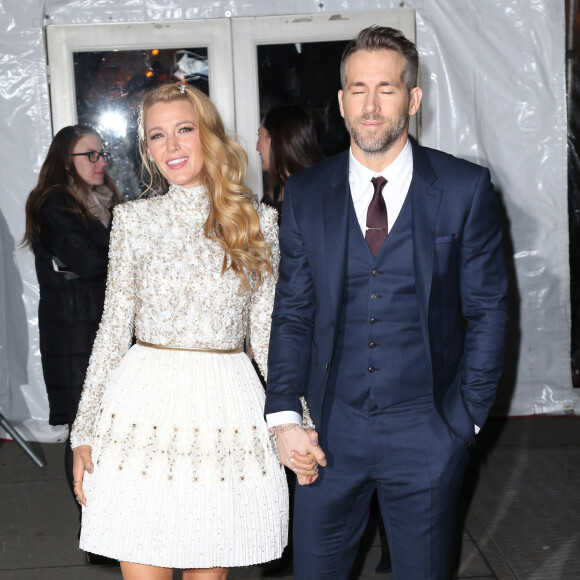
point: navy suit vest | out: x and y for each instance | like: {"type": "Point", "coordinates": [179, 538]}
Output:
{"type": "Point", "coordinates": [380, 357]}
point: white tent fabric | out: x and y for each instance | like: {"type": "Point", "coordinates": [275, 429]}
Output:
{"type": "Point", "coordinates": [493, 75]}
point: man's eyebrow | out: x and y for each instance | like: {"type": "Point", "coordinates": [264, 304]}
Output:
{"type": "Point", "coordinates": [381, 84]}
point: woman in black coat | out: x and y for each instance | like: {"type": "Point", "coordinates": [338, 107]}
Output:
{"type": "Point", "coordinates": [68, 217]}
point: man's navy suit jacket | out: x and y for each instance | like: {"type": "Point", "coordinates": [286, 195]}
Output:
{"type": "Point", "coordinates": [460, 279]}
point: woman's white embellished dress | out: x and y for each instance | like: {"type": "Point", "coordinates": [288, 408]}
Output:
{"type": "Point", "coordinates": [185, 475]}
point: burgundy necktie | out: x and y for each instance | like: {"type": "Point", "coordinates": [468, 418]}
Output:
{"type": "Point", "coordinates": [377, 223]}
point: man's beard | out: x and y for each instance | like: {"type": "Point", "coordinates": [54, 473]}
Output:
{"type": "Point", "coordinates": [381, 141]}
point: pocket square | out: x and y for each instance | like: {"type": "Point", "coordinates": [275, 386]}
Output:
{"type": "Point", "coordinates": [445, 239]}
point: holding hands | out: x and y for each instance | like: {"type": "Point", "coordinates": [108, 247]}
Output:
{"type": "Point", "coordinates": [298, 450]}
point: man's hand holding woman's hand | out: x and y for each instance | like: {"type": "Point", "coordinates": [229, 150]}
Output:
{"type": "Point", "coordinates": [298, 450]}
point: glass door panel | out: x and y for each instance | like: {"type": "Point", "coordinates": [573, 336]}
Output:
{"type": "Point", "coordinates": [296, 59]}
{"type": "Point", "coordinates": [100, 74]}
{"type": "Point", "coordinates": [305, 74]}
{"type": "Point", "coordinates": [109, 89]}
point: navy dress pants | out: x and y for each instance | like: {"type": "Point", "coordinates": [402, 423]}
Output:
{"type": "Point", "coordinates": [416, 464]}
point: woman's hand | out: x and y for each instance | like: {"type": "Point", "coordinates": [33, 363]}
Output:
{"type": "Point", "coordinates": [298, 449]}
{"type": "Point", "coordinates": [81, 461]}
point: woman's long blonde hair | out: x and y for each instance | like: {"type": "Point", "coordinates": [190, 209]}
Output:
{"type": "Point", "coordinates": [233, 220]}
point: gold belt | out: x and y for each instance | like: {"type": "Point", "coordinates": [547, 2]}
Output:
{"type": "Point", "coordinates": [215, 350]}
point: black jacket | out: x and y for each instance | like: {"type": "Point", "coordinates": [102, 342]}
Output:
{"type": "Point", "coordinates": [71, 265]}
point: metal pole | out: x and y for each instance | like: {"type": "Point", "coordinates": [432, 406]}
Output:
{"type": "Point", "coordinates": [4, 423]}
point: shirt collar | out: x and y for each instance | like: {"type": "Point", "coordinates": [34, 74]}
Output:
{"type": "Point", "coordinates": [395, 173]}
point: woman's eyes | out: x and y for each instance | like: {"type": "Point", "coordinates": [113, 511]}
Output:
{"type": "Point", "coordinates": [160, 135]}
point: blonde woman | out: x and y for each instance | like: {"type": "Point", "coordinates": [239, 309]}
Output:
{"type": "Point", "coordinates": [173, 462]}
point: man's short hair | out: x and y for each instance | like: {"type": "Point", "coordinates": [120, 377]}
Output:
{"type": "Point", "coordinates": [376, 38]}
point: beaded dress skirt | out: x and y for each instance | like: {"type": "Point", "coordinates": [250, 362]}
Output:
{"type": "Point", "coordinates": [185, 474]}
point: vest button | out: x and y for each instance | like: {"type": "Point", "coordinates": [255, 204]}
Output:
{"type": "Point", "coordinates": [371, 369]}
{"type": "Point", "coordinates": [375, 272]}
{"type": "Point", "coordinates": [327, 366]}
{"type": "Point", "coordinates": [374, 296]}
{"type": "Point", "coordinates": [372, 345]}
{"type": "Point", "coordinates": [373, 320]}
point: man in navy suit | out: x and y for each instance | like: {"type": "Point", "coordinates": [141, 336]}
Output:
{"type": "Point", "coordinates": [390, 318]}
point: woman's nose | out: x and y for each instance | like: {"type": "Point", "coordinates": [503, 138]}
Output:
{"type": "Point", "coordinates": [172, 143]}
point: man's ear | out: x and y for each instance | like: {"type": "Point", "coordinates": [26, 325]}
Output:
{"type": "Point", "coordinates": [415, 100]}
{"type": "Point", "coordinates": [340, 93]}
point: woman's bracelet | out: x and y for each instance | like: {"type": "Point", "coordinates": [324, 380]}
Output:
{"type": "Point", "coordinates": [281, 428]}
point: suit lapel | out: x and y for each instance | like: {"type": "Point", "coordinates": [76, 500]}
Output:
{"type": "Point", "coordinates": [335, 211]}
{"type": "Point", "coordinates": [425, 200]}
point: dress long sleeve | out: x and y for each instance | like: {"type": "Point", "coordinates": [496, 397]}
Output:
{"type": "Point", "coordinates": [262, 301]}
{"type": "Point", "coordinates": [115, 331]}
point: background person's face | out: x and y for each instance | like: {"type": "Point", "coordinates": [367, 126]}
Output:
{"type": "Point", "coordinates": [263, 147]}
{"type": "Point", "coordinates": [92, 173]}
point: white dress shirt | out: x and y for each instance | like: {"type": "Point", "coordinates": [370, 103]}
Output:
{"type": "Point", "coordinates": [398, 175]}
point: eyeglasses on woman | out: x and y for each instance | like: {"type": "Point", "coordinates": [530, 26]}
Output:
{"type": "Point", "coordinates": [94, 156]}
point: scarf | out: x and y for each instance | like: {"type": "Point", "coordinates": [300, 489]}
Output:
{"type": "Point", "coordinates": [99, 202]}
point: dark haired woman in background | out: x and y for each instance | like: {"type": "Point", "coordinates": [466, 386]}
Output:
{"type": "Point", "coordinates": [68, 215]}
{"type": "Point", "coordinates": [287, 143]}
